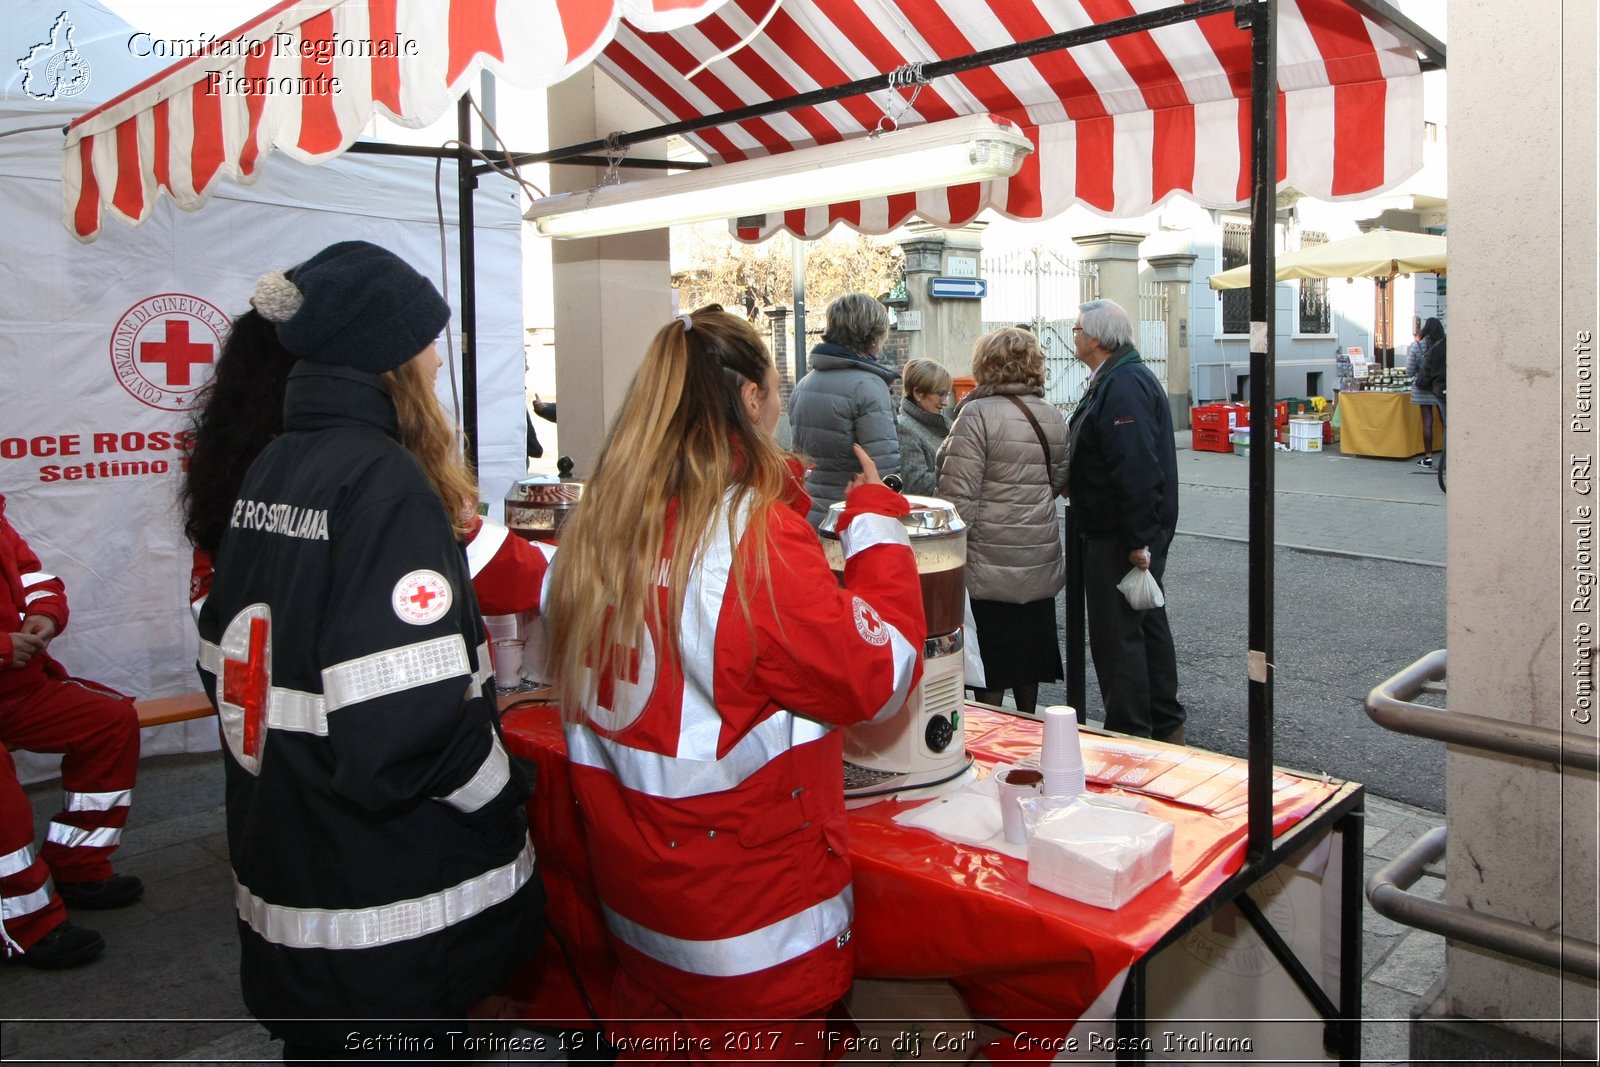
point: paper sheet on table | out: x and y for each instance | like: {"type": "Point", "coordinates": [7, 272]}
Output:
{"type": "Point", "coordinates": [968, 816]}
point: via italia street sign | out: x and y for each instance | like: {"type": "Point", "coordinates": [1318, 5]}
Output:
{"type": "Point", "coordinates": [958, 288]}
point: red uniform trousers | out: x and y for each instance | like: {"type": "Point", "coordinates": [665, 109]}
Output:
{"type": "Point", "coordinates": [97, 732]}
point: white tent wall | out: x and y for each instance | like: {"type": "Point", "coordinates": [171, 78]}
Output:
{"type": "Point", "coordinates": [113, 532]}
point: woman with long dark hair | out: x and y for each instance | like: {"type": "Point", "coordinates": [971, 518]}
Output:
{"type": "Point", "coordinates": [701, 678]}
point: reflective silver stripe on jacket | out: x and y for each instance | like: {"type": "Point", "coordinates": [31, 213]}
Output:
{"type": "Point", "coordinates": [483, 546]}
{"type": "Point", "coordinates": [727, 957]}
{"type": "Point", "coordinates": [394, 670]}
{"type": "Point", "coordinates": [287, 709]}
{"type": "Point", "coordinates": [493, 774]}
{"type": "Point", "coordinates": [38, 594]}
{"type": "Point", "coordinates": [386, 924]}
{"type": "Point", "coordinates": [77, 837]}
{"type": "Point", "coordinates": [905, 661]}
{"type": "Point", "coordinates": [868, 531]}
{"type": "Point", "coordinates": [27, 904]}
{"type": "Point", "coordinates": [672, 777]}
{"type": "Point", "coordinates": [16, 862]}
{"type": "Point", "coordinates": [98, 801]}
{"type": "Point", "coordinates": [302, 712]}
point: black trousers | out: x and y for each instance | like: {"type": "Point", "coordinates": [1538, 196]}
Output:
{"type": "Point", "coordinates": [1132, 650]}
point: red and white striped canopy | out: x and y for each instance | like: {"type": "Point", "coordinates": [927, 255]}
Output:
{"type": "Point", "coordinates": [182, 130]}
{"type": "Point", "coordinates": [1119, 125]}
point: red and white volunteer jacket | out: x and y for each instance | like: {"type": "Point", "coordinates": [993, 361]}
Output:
{"type": "Point", "coordinates": [711, 790]}
{"type": "Point", "coordinates": [28, 591]}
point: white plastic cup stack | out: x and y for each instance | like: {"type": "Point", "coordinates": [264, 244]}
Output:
{"type": "Point", "coordinates": [1061, 757]}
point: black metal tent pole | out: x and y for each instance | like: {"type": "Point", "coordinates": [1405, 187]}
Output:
{"type": "Point", "coordinates": [1263, 20]}
{"type": "Point", "coordinates": [465, 184]}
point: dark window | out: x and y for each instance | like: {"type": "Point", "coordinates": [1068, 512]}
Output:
{"type": "Point", "coordinates": [1314, 314]}
{"type": "Point", "coordinates": [1235, 253]}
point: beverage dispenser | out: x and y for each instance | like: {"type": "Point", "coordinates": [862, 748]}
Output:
{"type": "Point", "coordinates": [924, 743]}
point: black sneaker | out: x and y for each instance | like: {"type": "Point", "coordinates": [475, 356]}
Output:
{"type": "Point", "coordinates": [118, 891]}
{"type": "Point", "coordinates": [65, 946]}
{"type": "Point", "coordinates": [1425, 461]}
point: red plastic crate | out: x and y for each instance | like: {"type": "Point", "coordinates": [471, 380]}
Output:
{"type": "Point", "coordinates": [1212, 440]}
{"type": "Point", "coordinates": [1209, 417]}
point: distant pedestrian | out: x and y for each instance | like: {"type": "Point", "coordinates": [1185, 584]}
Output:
{"type": "Point", "coordinates": [1422, 385]}
{"type": "Point", "coordinates": [922, 424]}
{"type": "Point", "coordinates": [1003, 466]}
{"type": "Point", "coordinates": [1124, 493]}
{"type": "Point", "coordinates": [843, 401]}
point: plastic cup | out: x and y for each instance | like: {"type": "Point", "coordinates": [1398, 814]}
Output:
{"type": "Point", "coordinates": [507, 656]}
{"type": "Point", "coordinates": [1015, 784]}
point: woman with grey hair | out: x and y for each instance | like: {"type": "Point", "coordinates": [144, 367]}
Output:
{"type": "Point", "coordinates": [922, 424]}
{"type": "Point", "coordinates": [1002, 466]}
{"type": "Point", "coordinates": [843, 401]}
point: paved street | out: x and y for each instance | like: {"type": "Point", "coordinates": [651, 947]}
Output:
{"type": "Point", "coordinates": [167, 987]}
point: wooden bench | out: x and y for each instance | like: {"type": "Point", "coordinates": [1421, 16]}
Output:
{"type": "Point", "coordinates": [158, 711]}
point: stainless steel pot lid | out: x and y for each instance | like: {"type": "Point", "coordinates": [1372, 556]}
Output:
{"type": "Point", "coordinates": [930, 517]}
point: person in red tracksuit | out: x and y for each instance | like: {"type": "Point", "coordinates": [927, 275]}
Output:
{"type": "Point", "coordinates": [96, 730]}
{"type": "Point", "coordinates": [702, 682]}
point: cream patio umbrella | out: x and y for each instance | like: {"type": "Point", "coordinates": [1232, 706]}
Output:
{"type": "Point", "coordinates": [1374, 254]}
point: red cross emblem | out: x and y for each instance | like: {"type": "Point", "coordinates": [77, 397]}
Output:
{"type": "Point", "coordinates": [177, 352]}
{"type": "Point", "coordinates": [245, 684]}
{"type": "Point", "coordinates": [421, 597]}
{"type": "Point", "coordinates": [607, 695]}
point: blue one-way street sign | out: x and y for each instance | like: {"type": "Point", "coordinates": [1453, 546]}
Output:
{"type": "Point", "coordinates": [959, 288]}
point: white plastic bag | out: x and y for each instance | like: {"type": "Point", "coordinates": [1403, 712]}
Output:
{"type": "Point", "coordinates": [1140, 587]}
{"type": "Point", "coordinates": [971, 657]}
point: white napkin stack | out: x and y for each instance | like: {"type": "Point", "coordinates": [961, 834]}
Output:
{"type": "Point", "coordinates": [1099, 855]}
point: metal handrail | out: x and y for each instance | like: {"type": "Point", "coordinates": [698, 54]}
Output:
{"type": "Point", "coordinates": [1390, 706]}
{"type": "Point", "coordinates": [1386, 890]}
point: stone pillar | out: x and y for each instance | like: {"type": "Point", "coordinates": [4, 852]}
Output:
{"type": "Point", "coordinates": [611, 293]}
{"type": "Point", "coordinates": [1117, 253]}
{"type": "Point", "coordinates": [1175, 272]}
{"type": "Point", "coordinates": [1522, 836]}
{"type": "Point", "coordinates": [949, 326]}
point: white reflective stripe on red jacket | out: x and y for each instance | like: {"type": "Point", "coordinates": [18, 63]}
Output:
{"type": "Point", "coordinates": [675, 778]}
{"type": "Point", "coordinates": [385, 924]}
{"type": "Point", "coordinates": [726, 957]}
{"type": "Point", "coordinates": [484, 544]}
{"type": "Point", "coordinates": [302, 712]}
{"type": "Point", "coordinates": [77, 837]}
{"type": "Point", "coordinates": [119, 798]}
{"type": "Point", "coordinates": [867, 531]}
{"type": "Point", "coordinates": [16, 862]}
{"type": "Point", "coordinates": [491, 777]}
{"type": "Point", "coordinates": [27, 904]}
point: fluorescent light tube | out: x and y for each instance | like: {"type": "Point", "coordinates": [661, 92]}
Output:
{"type": "Point", "coordinates": [953, 152]}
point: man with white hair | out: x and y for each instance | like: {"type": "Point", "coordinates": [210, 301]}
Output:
{"type": "Point", "coordinates": [1123, 486]}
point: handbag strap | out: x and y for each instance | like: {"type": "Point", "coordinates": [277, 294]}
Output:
{"type": "Point", "coordinates": [1037, 431]}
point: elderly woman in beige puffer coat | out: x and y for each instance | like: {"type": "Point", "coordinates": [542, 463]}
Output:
{"type": "Point", "coordinates": [1003, 466]}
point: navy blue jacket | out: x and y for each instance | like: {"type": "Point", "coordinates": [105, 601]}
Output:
{"type": "Point", "coordinates": [376, 829]}
{"type": "Point", "coordinates": [1123, 483]}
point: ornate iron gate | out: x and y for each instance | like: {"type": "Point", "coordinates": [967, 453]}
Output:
{"type": "Point", "coordinates": [1152, 339]}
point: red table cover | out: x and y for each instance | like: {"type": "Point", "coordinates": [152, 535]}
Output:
{"type": "Point", "coordinates": [925, 907]}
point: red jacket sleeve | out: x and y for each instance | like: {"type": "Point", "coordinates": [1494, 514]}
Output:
{"type": "Point", "coordinates": [33, 591]}
{"type": "Point", "coordinates": [507, 572]}
{"type": "Point", "coordinates": [840, 654]}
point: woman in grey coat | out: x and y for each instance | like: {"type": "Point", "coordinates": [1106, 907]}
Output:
{"type": "Point", "coordinates": [1003, 476]}
{"type": "Point", "coordinates": [922, 424]}
{"type": "Point", "coordinates": [843, 401]}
